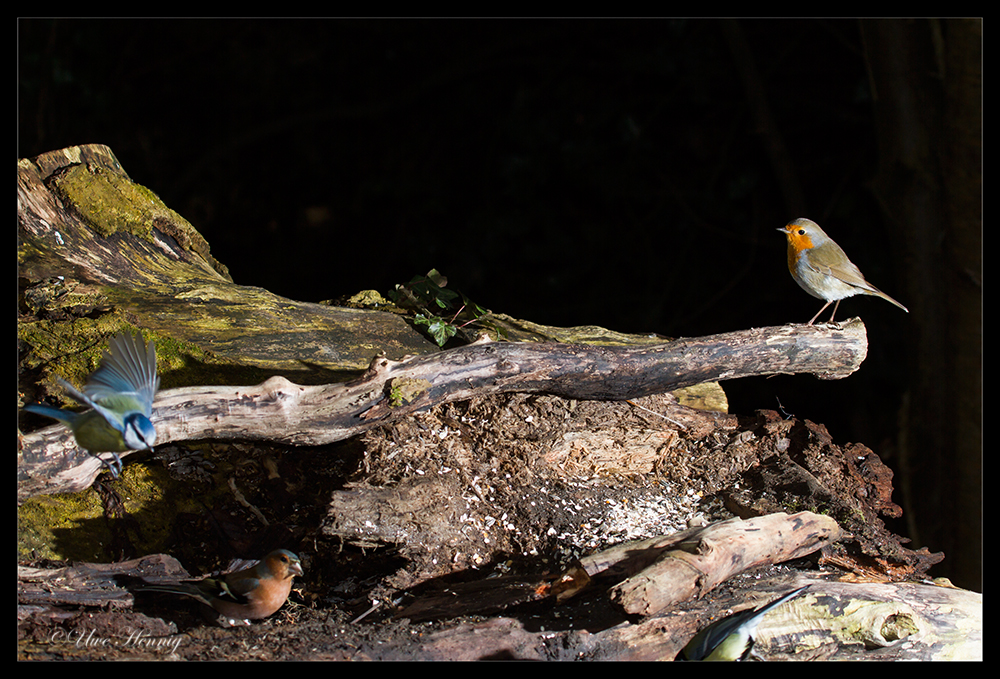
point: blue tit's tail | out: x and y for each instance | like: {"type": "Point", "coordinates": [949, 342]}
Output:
{"type": "Point", "coordinates": [67, 417]}
{"type": "Point", "coordinates": [70, 419]}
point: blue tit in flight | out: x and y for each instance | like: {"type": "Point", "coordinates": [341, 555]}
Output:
{"type": "Point", "coordinates": [731, 638]}
{"type": "Point", "coordinates": [120, 393]}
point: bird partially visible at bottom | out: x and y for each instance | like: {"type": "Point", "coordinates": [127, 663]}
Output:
{"type": "Point", "coordinates": [731, 638]}
{"type": "Point", "coordinates": [822, 268]}
{"type": "Point", "coordinates": [250, 594]}
{"type": "Point", "coordinates": [120, 393]}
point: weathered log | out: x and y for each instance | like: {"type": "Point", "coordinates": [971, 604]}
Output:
{"type": "Point", "coordinates": [279, 410]}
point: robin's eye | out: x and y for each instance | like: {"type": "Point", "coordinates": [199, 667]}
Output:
{"type": "Point", "coordinates": [802, 232]}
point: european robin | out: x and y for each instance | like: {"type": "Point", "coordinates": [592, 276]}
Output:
{"type": "Point", "coordinates": [821, 268]}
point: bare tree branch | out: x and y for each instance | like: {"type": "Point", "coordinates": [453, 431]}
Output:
{"type": "Point", "coordinates": [279, 410]}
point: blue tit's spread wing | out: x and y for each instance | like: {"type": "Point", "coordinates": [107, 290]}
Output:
{"type": "Point", "coordinates": [113, 410]}
{"type": "Point", "coordinates": [126, 380]}
{"type": "Point", "coordinates": [741, 626]}
{"type": "Point", "coordinates": [709, 639]}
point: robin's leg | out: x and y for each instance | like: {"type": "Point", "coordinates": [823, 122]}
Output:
{"type": "Point", "coordinates": [835, 307]}
{"type": "Point", "coordinates": [822, 310]}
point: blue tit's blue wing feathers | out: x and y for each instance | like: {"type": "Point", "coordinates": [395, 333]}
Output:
{"type": "Point", "coordinates": [126, 380]}
{"type": "Point", "coordinates": [114, 415]}
{"type": "Point", "coordinates": [709, 639]}
{"type": "Point", "coordinates": [74, 392]}
{"type": "Point", "coordinates": [741, 626]}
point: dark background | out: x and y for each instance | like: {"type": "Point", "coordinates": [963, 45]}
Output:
{"type": "Point", "coordinates": [624, 173]}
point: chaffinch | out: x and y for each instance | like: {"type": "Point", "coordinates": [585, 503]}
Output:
{"type": "Point", "coordinates": [249, 594]}
{"type": "Point", "coordinates": [731, 638]}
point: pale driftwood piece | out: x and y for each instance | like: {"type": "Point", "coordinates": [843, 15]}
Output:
{"type": "Point", "coordinates": [706, 557]}
{"type": "Point", "coordinates": [279, 410]}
